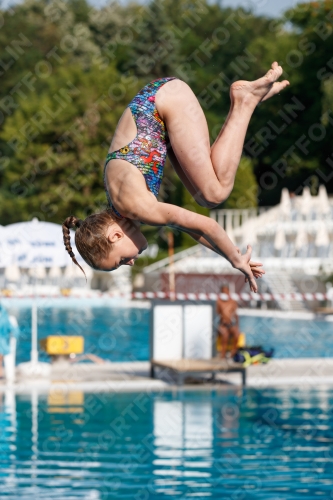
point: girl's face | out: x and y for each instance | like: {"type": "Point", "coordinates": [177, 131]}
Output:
{"type": "Point", "coordinates": [128, 242]}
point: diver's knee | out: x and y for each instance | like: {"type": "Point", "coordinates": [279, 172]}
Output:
{"type": "Point", "coordinates": [213, 197]}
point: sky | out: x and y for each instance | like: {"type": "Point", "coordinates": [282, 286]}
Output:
{"type": "Point", "coordinates": [271, 8]}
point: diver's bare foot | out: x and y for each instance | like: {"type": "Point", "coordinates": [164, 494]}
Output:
{"type": "Point", "coordinates": [252, 93]}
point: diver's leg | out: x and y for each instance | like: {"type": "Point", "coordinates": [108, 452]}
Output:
{"type": "Point", "coordinates": [211, 170]}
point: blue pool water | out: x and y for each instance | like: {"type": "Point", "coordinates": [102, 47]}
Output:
{"type": "Point", "coordinates": [291, 338]}
{"type": "Point", "coordinates": [122, 334]}
{"type": "Point", "coordinates": [117, 334]}
{"type": "Point", "coordinates": [240, 445]}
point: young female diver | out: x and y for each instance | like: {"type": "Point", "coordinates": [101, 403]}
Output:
{"type": "Point", "coordinates": [166, 118]}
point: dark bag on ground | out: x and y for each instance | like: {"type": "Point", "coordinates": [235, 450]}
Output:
{"type": "Point", "coordinates": [253, 355]}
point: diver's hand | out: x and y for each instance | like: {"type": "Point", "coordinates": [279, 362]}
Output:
{"type": "Point", "coordinates": [255, 267]}
{"type": "Point", "coordinates": [251, 270]}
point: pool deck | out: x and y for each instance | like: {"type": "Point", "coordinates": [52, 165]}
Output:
{"type": "Point", "coordinates": [135, 377]}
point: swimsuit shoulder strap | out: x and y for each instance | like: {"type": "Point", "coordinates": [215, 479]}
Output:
{"type": "Point", "coordinates": [109, 156]}
{"type": "Point", "coordinates": [144, 101]}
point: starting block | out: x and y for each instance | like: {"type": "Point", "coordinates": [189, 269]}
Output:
{"type": "Point", "coordinates": [58, 345]}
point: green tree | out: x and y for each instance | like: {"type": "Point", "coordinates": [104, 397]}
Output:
{"type": "Point", "coordinates": [55, 143]}
{"type": "Point", "coordinates": [245, 190]}
{"type": "Point", "coordinates": [55, 128]}
{"type": "Point", "coordinates": [295, 155]}
{"type": "Point", "coordinates": [154, 54]}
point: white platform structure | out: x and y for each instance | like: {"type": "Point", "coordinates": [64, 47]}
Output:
{"type": "Point", "coordinates": [182, 331]}
{"type": "Point", "coordinates": [292, 239]}
{"type": "Point", "coordinates": [300, 227]}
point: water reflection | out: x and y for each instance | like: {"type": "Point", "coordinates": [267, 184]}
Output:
{"type": "Point", "coordinates": [183, 438]}
{"type": "Point", "coordinates": [247, 444]}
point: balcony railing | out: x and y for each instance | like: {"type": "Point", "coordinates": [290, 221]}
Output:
{"type": "Point", "coordinates": [236, 217]}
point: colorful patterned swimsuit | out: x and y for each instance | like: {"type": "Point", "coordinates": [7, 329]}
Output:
{"type": "Point", "coordinates": [148, 149]}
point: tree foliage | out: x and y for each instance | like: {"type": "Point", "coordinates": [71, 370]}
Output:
{"type": "Point", "coordinates": [69, 69]}
{"type": "Point", "coordinates": [245, 190]}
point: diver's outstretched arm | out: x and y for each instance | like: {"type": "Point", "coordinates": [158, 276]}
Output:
{"type": "Point", "coordinates": [256, 268]}
{"type": "Point", "coordinates": [205, 229]}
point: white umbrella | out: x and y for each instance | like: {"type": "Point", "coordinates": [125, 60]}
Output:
{"type": "Point", "coordinates": [306, 201]}
{"type": "Point", "coordinates": [280, 239]}
{"type": "Point", "coordinates": [38, 272]}
{"type": "Point", "coordinates": [12, 273]}
{"type": "Point", "coordinates": [73, 271]}
{"type": "Point", "coordinates": [323, 202]}
{"type": "Point", "coordinates": [16, 247]}
{"type": "Point", "coordinates": [250, 232]}
{"type": "Point", "coordinates": [55, 275]}
{"type": "Point", "coordinates": [55, 272]}
{"type": "Point", "coordinates": [77, 273]}
{"type": "Point", "coordinates": [229, 229]}
{"type": "Point", "coordinates": [69, 272]}
{"type": "Point", "coordinates": [285, 204]}
{"type": "Point", "coordinates": [89, 272]}
{"type": "Point", "coordinates": [301, 239]}
{"type": "Point", "coordinates": [151, 251]}
{"type": "Point", "coordinates": [35, 244]}
{"type": "Point", "coordinates": [5, 251]}
{"type": "Point", "coordinates": [322, 236]}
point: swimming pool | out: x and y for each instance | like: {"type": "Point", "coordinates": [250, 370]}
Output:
{"type": "Point", "coordinates": [114, 333]}
{"type": "Point", "coordinates": [122, 333]}
{"type": "Point", "coordinates": [251, 444]}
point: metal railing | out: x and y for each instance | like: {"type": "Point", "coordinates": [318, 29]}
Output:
{"type": "Point", "coordinates": [189, 252]}
{"type": "Point", "coordinates": [236, 217]}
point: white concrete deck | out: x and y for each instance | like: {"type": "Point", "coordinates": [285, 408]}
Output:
{"type": "Point", "coordinates": [135, 377]}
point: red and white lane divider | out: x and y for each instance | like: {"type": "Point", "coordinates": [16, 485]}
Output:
{"type": "Point", "coordinates": [265, 297]}
{"type": "Point", "coordinates": [245, 297]}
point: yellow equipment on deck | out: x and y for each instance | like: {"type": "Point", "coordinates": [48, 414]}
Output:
{"type": "Point", "coordinates": [56, 345]}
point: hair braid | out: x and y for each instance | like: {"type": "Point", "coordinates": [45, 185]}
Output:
{"type": "Point", "coordinates": [70, 223]}
{"type": "Point", "coordinates": [90, 238]}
